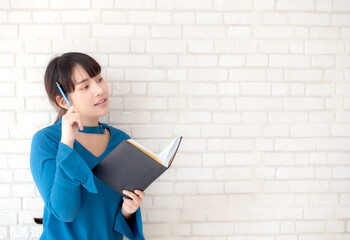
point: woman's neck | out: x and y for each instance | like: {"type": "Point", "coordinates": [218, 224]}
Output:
{"type": "Point", "coordinates": [90, 122]}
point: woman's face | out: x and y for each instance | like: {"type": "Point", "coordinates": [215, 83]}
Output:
{"type": "Point", "coordinates": [89, 93]}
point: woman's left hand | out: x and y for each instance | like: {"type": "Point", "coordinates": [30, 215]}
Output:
{"type": "Point", "coordinates": [130, 206]}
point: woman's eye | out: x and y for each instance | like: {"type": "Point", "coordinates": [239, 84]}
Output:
{"type": "Point", "coordinates": [100, 80]}
{"type": "Point", "coordinates": [86, 87]}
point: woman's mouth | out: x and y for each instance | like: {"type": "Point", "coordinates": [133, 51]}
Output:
{"type": "Point", "coordinates": [102, 102]}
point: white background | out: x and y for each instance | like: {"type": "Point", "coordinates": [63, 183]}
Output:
{"type": "Point", "coordinates": [259, 90]}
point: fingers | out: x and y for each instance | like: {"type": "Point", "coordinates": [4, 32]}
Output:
{"type": "Point", "coordinates": [131, 205]}
{"type": "Point", "coordinates": [128, 208]}
{"type": "Point", "coordinates": [140, 193]}
{"type": "Point", "coordinates": [73, 116]}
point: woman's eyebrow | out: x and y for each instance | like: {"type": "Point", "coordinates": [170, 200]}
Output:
{"type": "Point", "coordinates": [82, 81]}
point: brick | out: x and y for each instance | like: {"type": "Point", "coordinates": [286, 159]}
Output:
{"type": "Point", "coordinates": [208, 74]}
{"type": "Point", "coordinates": [324, 47]}
{"type": "Point", "coordinates": [199, 89]}
{"type": "Point", "coordinates": [245, 131]}
{"type": "Point", "coordinates": [289, 61]}
{"type": "Point", "coordinates": [341, 5]}
{"type": "Point", "coordinates": [194, 174]}
{"type": "Point", "coordinates": [323, 199]}
{"type": "Point", "coordinates": [193, 4]}
{"type": "Point", "coordinates": [341, 172]}
{"type": "Point", "coordinates": [264, 173]}
{"type": "Point", "coordinates": [243, 159]}
{"type": "Point", "coordinates": [200, 46]}
{"type": "Point", "coordinates": [40, 31]}
{"type": "Point", "coordinates": [243, 18]}
{"type": "Point", "coordinates": [324, 5]}
{"type": "Point", "coordinates": [149, 17]}
{"type": "Point", "coordinates": [276, 130]}
{"type": "Point", "coordinates": [302, 5]}
{"type": "Point", "coordinates": [114, 17]}
{"type": "Point", "coordinates": [134, 4]}
{"type": "Point", "coordinates": [335, 226]}
{"type": "Point", "coordinates": [273, 46]}
{"type": "Point", "coordinates": [242, 187]}
{"type": "Point", "coordinates": [215, 130]}
{"type": "Point", "coordinates": [184, 17]}
{"type": "Point", "coordinates": [166, 46]}
{"type": "Point", "coordinates": [309, 186]}
{"type": "Point", "coordinates": [318, 213]}
{"type": "Point", "coordinates": [211, 188]}
{"type": "Point", "coordinates": [231, 61]}
{"type": "Point", "coordinates": [18, 232]}
{"type": "Point", "coordinates": [322, 61]}
{"type": "Point", "coordinates": [198, 61]}
{"type": "Point", "coordinates": [216, 228]}
{"type": "Point", "coordinates": [257, 60]}
{"type": "Point", "coordinates": [310, 227]}
{"type": "Point", "coordinates": [273, 32]}
{"type": "Point", "coordinates": [111, 31]}
{"type": "Point", "coordinates": [157, 229]}
{"type": "Point", "coordinates": [340, 186]}
{"type": "Point", "coordinates": [307, 130]}
{"type": "Point", "coordinates": [76, 16]}
{"type": "Point", "coordinates": [257, 227]}
{"type": "Point", "coordinates": [25, 4]}
{"type": "Point", "coordinates": [295, 145]}
{"type": "Point", "coordinates": [239, 32]}
{"type": "Point", "coordinates": [275, 187]}
{"type": "Point", "coordinates": [166, 32]}
{"type": "Point", "coordinates": [237, 144]}
{"type": "Point", "coordinates": [10, 203]}
{"type": "Point", "coordinates": [324, 33]}
{"type": "Point", "coordinates": [209, 18]}
{"type": "Point", "coordinates": [264, 5]}
{"type": "Point", "coordinates": [256, 89]}
{"type": "Point", "coordinates": [258, 104]}
{"type": "Point", "coordinates": [162, 215]}
{"type": "Point", "coordinates": [323, 172]}
{"type": "Point", "coordinates": [200, 202]}
{"type": "Point", "coordinates": [232, 5]}
{"type": "Point", "coordinates": [185, 188]}
{"type": "Point", "coordinates": [274, 18]}
{"type": "Point", "coordinates": [20, 17]}
{"type": "Point", "coordinates": [303, 103]}
{"type": "Point", "coordinates": [204, 32]}
{"type": "Point", "coordinates": [313, 19]}
{"type": "Point", "coordinates": [232, 173]}
{"type": "Point", "coordinates": [254, 117]}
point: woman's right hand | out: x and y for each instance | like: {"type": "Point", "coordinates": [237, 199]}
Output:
{"type": "Point", "coordinates": [71, 123]}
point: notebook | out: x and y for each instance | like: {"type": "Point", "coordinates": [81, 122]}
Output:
{"type": "Point", "coordinates": [131, 166]}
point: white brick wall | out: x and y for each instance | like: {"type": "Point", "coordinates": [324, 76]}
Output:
{"type": "Point", "coordinates": [259, 89]}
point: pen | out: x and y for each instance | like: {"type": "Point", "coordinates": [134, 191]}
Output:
{"type": "Point", "coordinates": [64, 95]}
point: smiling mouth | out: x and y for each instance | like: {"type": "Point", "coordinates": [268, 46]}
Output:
{"type": "Point", "coordinates": [102, 101]}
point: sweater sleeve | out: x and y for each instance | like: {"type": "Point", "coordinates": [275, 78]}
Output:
{"type": "Point", "coordinates": [131, 230]}
{"type": "Point", "coordinates": [59, 172]}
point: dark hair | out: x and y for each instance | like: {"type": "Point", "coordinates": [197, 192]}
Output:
{"type": "Point", "coordinates": [60, 69]}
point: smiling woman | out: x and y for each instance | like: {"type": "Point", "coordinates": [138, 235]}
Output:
{"type": "Point", "coordinates": [63, 154]}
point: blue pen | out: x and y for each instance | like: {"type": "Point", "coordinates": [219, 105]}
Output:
{"type": "Point", "coordinates": [64, 95]}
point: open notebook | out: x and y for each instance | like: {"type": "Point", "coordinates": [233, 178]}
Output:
{"type": "Point", "coordinates": [131, 166]}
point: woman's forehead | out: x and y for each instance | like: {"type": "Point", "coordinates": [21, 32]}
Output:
{"type": "Point", "coordinates": [79, 74]}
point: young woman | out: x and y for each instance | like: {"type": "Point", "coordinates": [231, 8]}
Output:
{"type": "Point", "coordinates": [78, 205]}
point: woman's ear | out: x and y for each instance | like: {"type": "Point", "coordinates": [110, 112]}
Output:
{"type": "Point", "coordinates": [61, 102]}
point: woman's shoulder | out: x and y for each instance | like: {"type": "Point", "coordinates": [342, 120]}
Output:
{"type": "Point", "coordinates": [49, 133]}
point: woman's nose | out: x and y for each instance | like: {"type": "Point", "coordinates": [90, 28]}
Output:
{"type": "Point", "coordinates": [98, 89]}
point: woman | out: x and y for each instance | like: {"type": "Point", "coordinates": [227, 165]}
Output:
{"type": "Point", "coordinates": [77, 204]}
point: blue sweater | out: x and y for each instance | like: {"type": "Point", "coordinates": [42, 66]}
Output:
{"type": "Point", "coordinates": [78, 205]}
